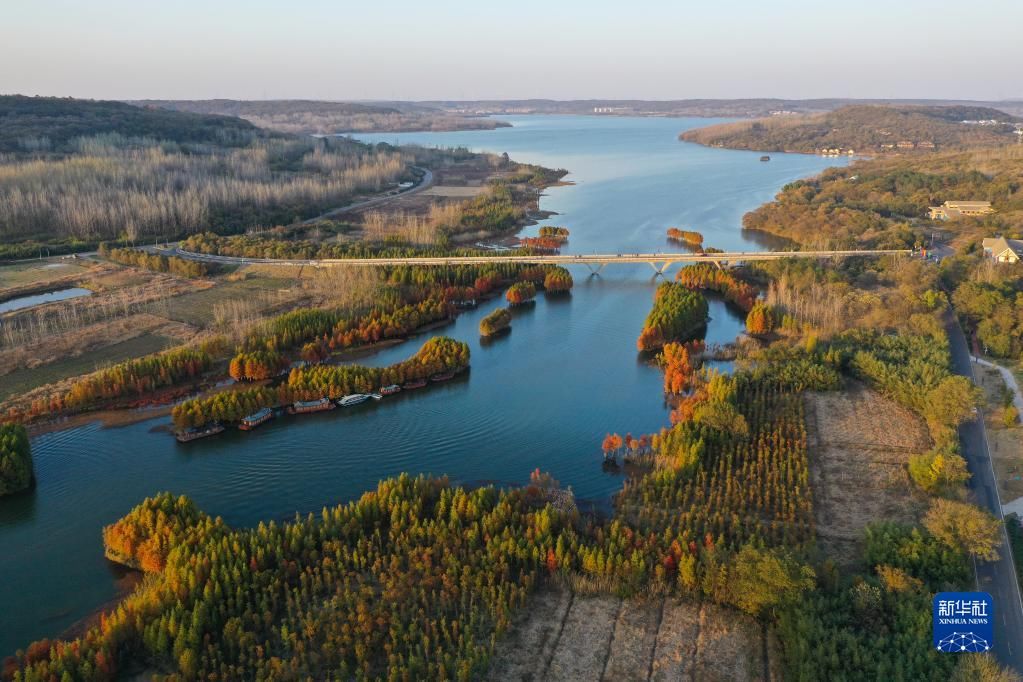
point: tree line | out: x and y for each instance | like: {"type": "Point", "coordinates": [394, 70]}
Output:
{"type": "Point", "coordinates": [437, 355]}
{"type": "Point", "coordinates": [15, 459]}
{"type": "Point", "coordinates": [156, 262]}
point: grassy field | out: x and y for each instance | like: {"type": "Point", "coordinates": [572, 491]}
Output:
{"type": "Point", "coordinates": [26, 274]}
{"type": "Point", "coordinates": [23, 380]}
{"type": "Point", "coordinates": [199, 308]}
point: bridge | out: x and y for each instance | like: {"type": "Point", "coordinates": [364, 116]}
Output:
{"type": "Point", "coordinates": [596, 262]}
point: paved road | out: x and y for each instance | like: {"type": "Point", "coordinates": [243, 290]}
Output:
{"type": "Point", "coordinates": [424, 182]}
{"type": "Point", "coordinates": [996, 577]}
{"type": "Point", "coordinates": [658, 260]}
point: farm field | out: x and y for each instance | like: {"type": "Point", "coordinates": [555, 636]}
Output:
{"type": "Point", "coordinates": [34, 274]}
{"type": "Point", "coordinates": [860, 444]}
{"type": "Point", "coordinates": [561, 635]}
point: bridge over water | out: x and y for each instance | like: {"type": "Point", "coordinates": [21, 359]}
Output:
{"type": "Point", "coordinates": [596, 262]}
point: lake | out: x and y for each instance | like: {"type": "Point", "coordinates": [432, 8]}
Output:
{"type": "Point", "coordinates": [542, 396]}
{"type": "Point", "coordinates": [48, 297]}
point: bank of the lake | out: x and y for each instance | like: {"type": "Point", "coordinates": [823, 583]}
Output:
{"type": "Point", "coordinates": [542, 396]}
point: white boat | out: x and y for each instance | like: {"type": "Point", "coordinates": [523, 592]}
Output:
{"type": "Point", "coordinates": [353, 399]}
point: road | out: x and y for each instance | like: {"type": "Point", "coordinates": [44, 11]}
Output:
{"type": "Point", "coordinates": [659, 261]}
{"type": "Point", "coordinates": [995, 577]}
{"type": "Point", "coordinates": [425, 182]}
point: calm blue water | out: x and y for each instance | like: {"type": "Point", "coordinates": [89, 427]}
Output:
{"type": "Point", "coordinates": [541, 397]}
{"type": "Point", "coordinates": [36, 299]}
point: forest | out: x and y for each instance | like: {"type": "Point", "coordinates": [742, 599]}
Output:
{"type": "Point", "coordinates": [53, 124]}
{"type": "Point", "coordinates": [15, 459]}
{"type": "Point", "coordinates": [164, 174]}
{"type": "Point", "coordinates": [869, 129]}
{"type": "Point", "coordinates": [882, 203]}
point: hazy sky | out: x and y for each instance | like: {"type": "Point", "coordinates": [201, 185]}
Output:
{"type": "Point", "coordinates": [561, 49]}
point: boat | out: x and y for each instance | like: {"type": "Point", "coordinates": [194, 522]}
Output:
{"type": "Point", "coordinates": [765, 157]}
{"type": "Point", "coordinates": [310, 406]}
{"type": "Point", "coordinates": [415, 383]}
{"type": "Point", "coordinates": [443, 376]}
{"type": "Point", "coordinates": [257, 418]}
{"type": "Point", "coordinates": [189, 435]}
{"type": "Point", "coordinates": [353, 399]}
{"type": "Point", "coordinates": [390, 390]}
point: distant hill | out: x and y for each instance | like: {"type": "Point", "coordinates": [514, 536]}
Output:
{"type": "Point", "coordinates": [319, 117]}
{"type": "Point", "coordinates": [31, 124]}
{"type": "Point", "coordinates": [266, 108]}
{"type": "Point", "coordinates": [869, 129]}
{"type": "Point", "coordinates": [730, 108]}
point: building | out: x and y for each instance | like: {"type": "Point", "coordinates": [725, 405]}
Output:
{"type": "Point", "coordinates": [1003, 250]}
{"type": "Point", "coordinates": [957, 209]}
{"type": "Point", "coordinates": [905, 144]}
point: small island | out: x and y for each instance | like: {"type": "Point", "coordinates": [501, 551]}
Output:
{"type": "Point", "coordinates": [521, 293]}
{"type": "Point", "coordinates": [687, 237]}
{"type": "Point", "coordinates": [678, 312]}
{"type": "Point", "coordinates": [496, 322]}
{"type": "Point", "coordinates": [15, 459]}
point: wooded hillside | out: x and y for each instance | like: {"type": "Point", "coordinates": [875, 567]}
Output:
{"type": "Point", "coordinates": [865, 129]}
{"type": "Point", "coordinates": [34, 124]}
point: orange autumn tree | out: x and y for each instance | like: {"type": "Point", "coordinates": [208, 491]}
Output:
{"type": "Point", "coordinates": [612, 444]}
{"type": "Point", "coordinates": [678, 361]}
{"type": "Point", "coordinates": [256, 365]}
{"type": "Point", "coordinates": [704, 276]}
{"type": "Point", "coordinates": [761, 320]}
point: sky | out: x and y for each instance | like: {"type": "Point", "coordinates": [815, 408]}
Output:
{"type": "Point", "coordinates": [557, 49]}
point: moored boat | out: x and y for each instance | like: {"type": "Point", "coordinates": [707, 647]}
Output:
{"type": "Point", "coordinates": [390, 390]}
{"type": "Point", "coordinates": [309, 406]}
{"type": "Point", "coordinates": [189, 435]}
{"type": "Point", "coordinates": [256, 419]}
{"type": "Point", "coordinates": [443, 376]}
{"type": "Point", "coordinates": [765, 157]}
{"type": "Point", "coordinates": [415, 383]}
{"type": "Point", "coordinates": [353, 399]}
